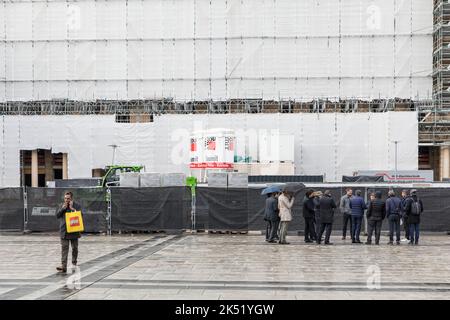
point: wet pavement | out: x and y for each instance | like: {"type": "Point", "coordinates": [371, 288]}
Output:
{"type": "Point", "coordinates": [226, 266]}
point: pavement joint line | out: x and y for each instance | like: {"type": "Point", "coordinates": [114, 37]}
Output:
{"type": "Point", "coordinates": [54, 287]}
{"type": "Point", "coordinates": [60, 292]}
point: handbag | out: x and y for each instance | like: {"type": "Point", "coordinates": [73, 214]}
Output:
{"type": "Point", "coordinates": [74, 222]}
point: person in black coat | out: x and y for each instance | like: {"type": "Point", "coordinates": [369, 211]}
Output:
{"type": "Point", "coordinates": [376, 212]}
{"type": "Point", "coordinates": [308, 215]}
{"type": "Point", "coordinates": [413, 210]}
{"type": "Point", "coordinates": [67, 238]}
{"type": "Point", "coordinates": [272, 218]}
{"type": "Point", "coordinates": [326, 208]}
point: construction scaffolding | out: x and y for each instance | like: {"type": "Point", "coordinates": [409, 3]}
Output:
{"type": "Point", "coordinates": [140, 58]}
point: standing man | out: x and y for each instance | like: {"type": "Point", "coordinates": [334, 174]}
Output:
{"type": "Point", "coordinates": [344, 207]}
{"type": "Point", "coordinates": [308, 215]}
{"type": "Point", "coordinates": [413, 209]}
{"type": "Point", "coordinates": [67, 238]}
{"type": "Point", "coordinates": [357, 206]}
{"type": "Point", "coordinates": [285, 203]}
{"type": "Point", "coordinates": [393, 213]}
{"type": "Point", "coordinates": [404, 217]}
{"type": "Point", "coordinates": [272, 218]}
{"type": "Point", "coordinates": [376, 212]}
{"type": "Point", "coordinates": [326, 207]}
{"type": "Point", "coordinates": [316, 200]}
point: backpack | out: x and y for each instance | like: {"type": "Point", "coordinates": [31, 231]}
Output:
{"type": "Point", "coordinates": [415, 208]}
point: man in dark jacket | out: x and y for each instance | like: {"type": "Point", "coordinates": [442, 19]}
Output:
{"type": "Point", "coordinates": [344, 206]}
{"type": "Point", "coordinates": [413, 210]}
{"type": "Point", "coordinates": [272, 218]}
{"type": "Point", "coordinates": [393, 213]}
{"type": "Point", "coordinates": [357, 205]}
{"type": "Point", "coordinates": [375, 215]}
{"type": "Point", "coordinates": [308, 215]}
{"type": "Point", "coordinates": [405, 194]}
{"type": "Point", "coordinates": [67, 238]}
{"type": "Point", "coordinates": [326, 207]}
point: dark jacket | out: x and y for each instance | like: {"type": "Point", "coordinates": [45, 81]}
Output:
{"type": "Point", "coordinates": [61, 215]}
{"type": "Point", "coordinates": [376, 210]}
{"type": "Point", "coordinates": [308, 207]}
{"type": "Point", "coordinates": [412, 218]}
{"type": "Point", "coordinates": [271, 211]}
{"type": "Point", "coordinates": [393, 206]}
{"type": "Point", "coordinates": [326, 207]}
{"type": "Point", "coordinates": [358, 206]}
{"type": "Point", "coordinates": [402, 207]}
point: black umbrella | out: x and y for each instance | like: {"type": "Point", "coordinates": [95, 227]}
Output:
{"type": "Point", "coordinates": [294, 187]}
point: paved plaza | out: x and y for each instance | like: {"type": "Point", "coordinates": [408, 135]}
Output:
{"type": "Point", "coordinates": [225, 266]}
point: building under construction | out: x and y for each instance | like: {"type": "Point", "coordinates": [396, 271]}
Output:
{"type": "Point", "coordinates": [139, 59]}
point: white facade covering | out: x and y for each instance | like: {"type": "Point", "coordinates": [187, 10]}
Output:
{"type": "Point", "coordinates": [333, 144]}
{"type": "Point", "coordinates": [221, 49]}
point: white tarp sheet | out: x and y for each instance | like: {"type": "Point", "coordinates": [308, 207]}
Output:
{"type": "Point", "coordinates": [221, 49]}
{"type": "Point", "coordinates": [333, 144]}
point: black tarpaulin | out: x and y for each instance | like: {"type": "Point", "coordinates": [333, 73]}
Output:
{"type": "Point", "coordinates": [11, 209]}
{"type": "Point", "coordinates": [43, 203]}
{"type": "Point", "coordinates": [150, 209]}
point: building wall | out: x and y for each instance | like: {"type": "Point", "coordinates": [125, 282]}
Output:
{"type": "Point", "coordinates": [333, 144]}
{"type": "Point", "coordinates": [221, 49]}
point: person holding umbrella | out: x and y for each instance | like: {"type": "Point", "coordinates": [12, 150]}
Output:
{"type": "Point", "coordinates": [285, 203]}
{"type": "Point", "coordinates": [271, 216]}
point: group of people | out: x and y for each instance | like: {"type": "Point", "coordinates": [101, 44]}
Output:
{"type": "Point", "coordinates": [319, 210]}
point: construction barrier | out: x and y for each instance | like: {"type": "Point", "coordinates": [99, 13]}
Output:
{"type": "Point", "coordinates": [169, 208]}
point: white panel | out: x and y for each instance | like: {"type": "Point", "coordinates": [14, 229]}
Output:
{"type": "Point", "coordinates": [2, 60]}
{"type": "Point", "coordinates": [2, 91]}
{"type": "Point", "coordinates": [154, 18]}
{"type": "Point", "coordinates": [57, 54]}
{"type": "Point", "coordinates": [82, 90]}
{"type": "Point", "coordinates": [403, 56]}
{"type": "Point", "coordinates": [19, 61]}
{"type": "Point", "coordinates": [2, 18]}
{"type": "Point", "coordinates": [135, 19]}
{"type": "Point", "coordinates": [219, 18]}
{"type": "Point", "coordinates": [135, 59]}
{"type": "Point", "coordinates": [403, 127]}
{"type": "Point", "coordinates": [422, 56]}
{"type": "Point", "coordinates": [82, 19]}
{"type": "Point", "coordinates": [115, 90]}
{"type": "Point", "coordinates": [218, 59]}
{"type": "Point", "coordinates": [82, 62]}
{"type": "Point", "coordinates": [202, 19]}
{"type": "Point", "coordinates": [18, 21]}
{"type": "Point", "coordinates": [422, 16]}
{"type": "Point", "coordinates": [403, 16]}
{"type": "Point", "coordinates": [111, 61]}
{"type": "Point", "coordinates": [353, 19]}
{"type": "Point", "coordinates": [252, 60]}
{"type": "Point", "coordinates": [19, 91]}
{"type": "Point", "coordinates": [154, 59]}
{"type": "Point", "coordinates": [183, 57]}
{"type": "Point", "coordinates": [47, 90]}
{"type": "Point", "coordinates": [40, 26]}
{"type": "Point", "coordinates": [60, 17]}
{"type": "Point", "coordinates": [111, 19]}
{"type": "Point", "coordinates": [40, 61]}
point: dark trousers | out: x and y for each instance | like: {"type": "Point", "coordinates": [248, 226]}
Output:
{"type": "Point", "coordinates": [374, 226]}
{"type": "Point", "coordinates": [414, 232]}
{"type": "Point", "coordinates": [323, 227]}
{"type": "Point", "coordinates": [310, 232]}
{"type": "Point", "coordinates": [356, 227]}
{"type": "Point", "coordinates": [406, 227]}
{"type": "Point", "coordinates": [65, 251]}
{"type": "Point", "coordinates": [394, 224]}
{"type": "Point", "coordinates": [317, 226]}
{"type": "Point", "coordinates": [347, 220]}
{"type": "Point", "coordinates": [272, 232]}
{"type": "Point", "coordinates": [268, 224]}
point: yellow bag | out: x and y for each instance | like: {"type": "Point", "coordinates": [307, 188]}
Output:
{"type": "Point", "coordinates": [74, 222]}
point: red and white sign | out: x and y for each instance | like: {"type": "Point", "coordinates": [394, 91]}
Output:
{"type": "Point", "coordinates": [212, 149]}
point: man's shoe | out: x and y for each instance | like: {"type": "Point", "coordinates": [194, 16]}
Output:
{"type": "Point", "coordinates": [416, 243]}
{"type": "Point", "coordinates": [61, 269]}
{"type": "Point", "coordinates": [368, 242]}
{"type": "Point", "coordinates": [358, 241]}
{"type": "Point", "coordinates": [398, 243]}
{"type": "Point", "coordinates": [308, 241]}
{"type": "Point", "coordinates": [411, 243]}
{"type": "Point", "coordinates": [271, 241]}
{"type": "Point", "coordinates": [328, 243]}
{"type": "Point", "coordinates": [377, 243]}
{"type": "Point", "coordinates": [390, 243]}
{"type": "Point", "coordinates": [343, 238]}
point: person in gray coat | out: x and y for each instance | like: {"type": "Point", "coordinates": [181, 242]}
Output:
{"type": "Point", "coordinates": [344, 206]}
{"type": "Point", "coordinates": [67, 238]}
{"type": "Point", "coordinates": [326, 208]}
{"type": "Point", "coordinates": [376, 212]}
{"type": "Point", "coordinates": [272, 218]}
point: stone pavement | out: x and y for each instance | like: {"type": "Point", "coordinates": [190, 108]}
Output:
{"type": "Point", "coordinates": [202, 266]}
